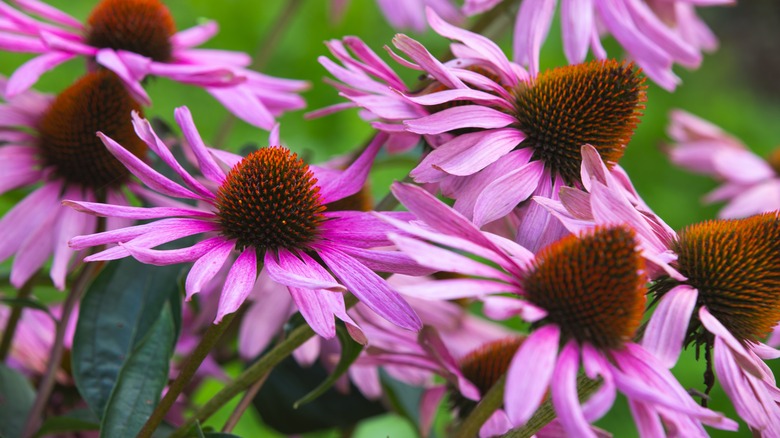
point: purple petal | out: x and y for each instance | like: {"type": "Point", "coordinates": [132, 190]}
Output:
{"type": "Point", "coordinates": [36, 247]}
{"type": "Point", "coordinates": [502, 308]}
{"type": "Point", "coordinates": [429, 404]}
{"type": "Point", "coordinates": [466, 116]}
{"type": "Point", "coordinates": [206, 163]}
{"type": "Point", "coordinates": [173, 256]}
{"type": "Point", "coordinates": [27, 75]}
{"type": "Point", "coordinates": [265, 318]}
{"type": "Point", "coordinates": [531, 27]}
{"type": "Point", "coordinates": [206, 267]}
{"type": "Point", "coordinates": [69, 225]}
{"type": "Point", "coordinates": [26, 216]}
{"type": "Point", "coordinates": [299, 270]}
{"type": "Point", "coordinates": [131, 76]}
{"type": "Point", "coordinates": [354, 177]}
{"type": "Point", "coordinates": [426, 61]}
{"type": "Point", "coordinates": [530, 373]}
{"type": "Point", "coordinates": [127, 211]}
{"type": "Point", "coordinates": [576, 26]}
{"type": "Point", "coordinates": [469, 153]}
{"type": "Point", "coordinates": [454, 289]}
{"type": "Point", "coordinates": [564, 393]}
{"type": "Point", "coordinates": [742, 356]}
{"type": "Point", "coordinates": [504, 194]}
{"type": "Point", "coordinates": [48, 12]}
{"type": "Point", "coordinates": [239, 283]}
{"type": "Point", "coordinates": [243, 104]}
{"type": "Point", "coordinates": [314, 306]}
{"type": "Point", "coordinates": [369, 288]}
{"type": "Point", "coordinates": [666, 330]}
{"type": "Point", "coordinates": [196, 35]}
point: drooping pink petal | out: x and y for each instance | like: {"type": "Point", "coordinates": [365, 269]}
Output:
{"type": "Point", "coordinates": [26, 216]}
{"type": "Point", "coordinates": [196, 35]}
{"type": "Point", "coordinates": [531, 26]}
{"type": "Point", "coordinates": [353, 178]}
{"type": "Point", "coordinates": [369, 288]}
{"type": "Point", "coordinates": [264, 319]}
{"type": "Point", "coordinates": [564, 392]}
{"type": "Point", "coordinates": [126, 211]}
{"type": "Point", "coordinates": [238, 284]}
{"type": "Point", "coordinates": [206, 267]}
{"type": "Point", "coordinates": [468, 153]}
{"type": "Point", "coordinates": [429, 403]}
{"type": "Point", "coordinates": [69, 225]}
{"type": "Point", "coordinates": [741, 355]}
{"type": "Point", "coordinates": [505, 193]}
{"type": "Point", "coordinates": [666, 330]}
{"type": "Point", "coordinates": [242, 102]}
{"type": "Point", "coordinates": [502, 308]}
{"type": "Point", "coordinates": [173, 256]}
{"type": "Point", "coordinates": [576, 26]}
{"type": "Point", "coordinates": [454, 289]}
{"type": "Point", "coordinates": [315, 309]}
{"type": "Point", "coordinates": [110, 59]}
{"type": "Point", "coordinates": [299, 270]}
{"type": "Point", "coordinates": [36, 247]}
{"type": "Point", "coordinates": [529, 383]}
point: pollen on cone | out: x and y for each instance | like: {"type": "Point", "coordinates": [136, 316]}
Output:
{"type": "Point", "coordinates": [67, 132]}
{"type": "Point", "coordinates": [590, 286]}
{"type": "Point", "coordinates": [139, 26]}
{"type": "Point", "coordinates": [597, 103]}
{"type": "Point", "coordinates": [270, 200]}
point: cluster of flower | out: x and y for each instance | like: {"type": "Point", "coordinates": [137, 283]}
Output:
{"type": "Point", "coordinates": [543, 225]}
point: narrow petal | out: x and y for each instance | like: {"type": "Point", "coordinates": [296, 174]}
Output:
{"type": "Point", "coordinates": [173, 256]}
{"type": "Point", "coordinates": [504, 194]}
{"type": "Point", "coordinates": [454, 289]}
{"type": "Point", "coordinates": [429, 404]}
{"type": "Point", "coordinates": [206, 163]}
{"type": "Point", "coordinates": [466, 116]}
{"type": "Point", "coordinates": [529, 383]}
{"type": "Point", "coordinates": [576, 26]}
{"type": "Point", "coordinates": [370, 289]}
{"type": "Point", "coordinates": [126, 211]}
{"type": "Point", "coordinates": [468, 153]}
{"type": "Point", "coordinates": [315, 309]}
{"type": "Point", "coordinates": [292, 271]}
{"type": "Point", "coordinates": [564, 393]}
{"type": "Point", "coordinates": [28, 74]}
{"type": "Point", "coordinates": [206, 267]}
{"type": "Point", "coordinates": [239, 283]}
{"type": "Point", "coordinates": [69, 225]}
{"type": "Point", "coordinates": [741, 355]}
{"type": "Point", "coordinates": [350, 181]}
{"type": "Point", "coordinates": [666, 330]}
{"type": "Point", "coordinates": [531, 26]}
{"type": "Point", "coordinates": [144, 172]}
{"type": "Point", "coordinates": [26, 216]}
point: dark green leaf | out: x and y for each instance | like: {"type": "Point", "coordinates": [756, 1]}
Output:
{"type": "Point", "coordinates": [74, 421]}
{"type": "Point", "coordinates": [116, 313]}
{"type": "Point", "coordinates": [29, 302]}
{"type": "Point", "coordinates": [16, 399]}
{"type": "Point", "coordinates": [350, 350]}
{"type": "Point", "coordinates": [141, 380]}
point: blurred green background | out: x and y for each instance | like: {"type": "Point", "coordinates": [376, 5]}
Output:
{"type": "Point", "coordinates": [735, 88]}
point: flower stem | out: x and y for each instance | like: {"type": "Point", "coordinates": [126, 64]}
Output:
{"type": "Point", "coordinates": [492, 400]}
{"type": "Point", "coordinates": [189, 368]}
{"type": "Point", "coordinates": [255, 372]}
{"type": "Point", "coordinates": [13, 319]}
{"type": "Point", "coordinates": [263, 54]}
{"type": "Point", "coordinates": [243, 405]}
{"type": "Point", "coordinates": [87, 274]}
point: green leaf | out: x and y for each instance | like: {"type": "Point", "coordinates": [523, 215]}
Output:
{"type": "Point", "coordinates": [74, 421]}
{"type": "Point", "coordinates": [16, 399]}
{"type": "Point", "coordinates": [28, 302]}
{"type": "Point", "coordinates": [350, 350]}
{"type": "Point", "coordinates": [116, 313]}
{"type": "Point", "coordinates": [141, 380]}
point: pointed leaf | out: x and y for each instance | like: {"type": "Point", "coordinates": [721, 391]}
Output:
{"type": "Point", "coordinates": [117, 311]}
{"type": "Point", "coordinates": [16, 399]}
{"type": "Point", "coordinates": [141, 380]}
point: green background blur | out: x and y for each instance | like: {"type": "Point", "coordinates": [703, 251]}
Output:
{"type": "Point", "coordinates": [735, 88]}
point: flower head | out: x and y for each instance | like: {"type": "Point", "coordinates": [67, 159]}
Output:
{"type": "Point", "coordinates": [751, 185]}
{"type": "Point", "coordinates": [136, 39]}
{"type": "Point", "coordinates": [514, 136]}
{"type": "Point", "coordinates": [585, 296]}
{"type": "Point", "coordinates": [52, 141]}
{"type": "Point", "coordinates": [268, 208]}
{"type": "Point", "coordinates": [727, 302]}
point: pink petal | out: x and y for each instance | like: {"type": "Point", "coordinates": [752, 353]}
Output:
{"type": "Point", "coordinates": [239, 283]}
{"type": "Point", "coordinates": [127, 211]}
{"type": "Point", "coordinates": [505, 193]}
{"type": "Point", "coordinates": [206, 163]}
{"type": "Point", "coordinates": [429, 404]}
{"type": "Point", "coordinates": [530, 373]}
{"type": "Point", "coordinates": [369, 288]}
{"type": "Point", "coordinates": [206, 267]}
{"type": "Point", "coordinates": [27, 75]}
{"type": "Point", "coordinates": [666, 330]}
{"type": "Point", "coordinates": [576, 25]}
{"type": "Point", "coordinates": [265, 317]}
{"type": "Point", "coordinates": [314, 306]}
{"type": "Point", "coordinates": [531, 27]}
{"type": "Point", "coordinates": [131, 76]}
{"type": "Point", "coordinates": [195, 35]}
{"type": "Point", "coordinates": [564, 393]}
{"type": "Point", "coordinates": [69, 225]}
{"type": "Point", "coordinates": [144, 172]}
{"type": "Point", "coordinates": [173, 256]}
{"type": "Point", "coordinates": [502, 308]}
{"type": "Point", "coordinates": [299, 270]}
{"type": "Point", "coordinates": [426, 61]}
{"type": "Point", "coordinates": [741, 355]}
{"type": "Point", "coordinates": [466, 116]}
{"type": "Point", "coordinates": [454, 289]}
{"type": "Point", "coordinates": [244, 105]}
{"type": "Point", "coordinates": [350, 181]}
{"type": "Point", "coordinates": [26, 216]}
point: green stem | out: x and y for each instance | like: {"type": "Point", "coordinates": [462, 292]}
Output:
{"type": "Point", "coordinates": [189, 368]}
{"type": "Point", "coordinates": [87, 274]}
{"type": "Point", "coordinates": [13, 319]}
{"type": "Point", "coordinates": [261, 58]}
{"type": "Point", "coordinates": [492, 401]}
{"type": "Point", "coordinates": [246, 400]}
{"type": "Point", "coordinates": [255, 372]}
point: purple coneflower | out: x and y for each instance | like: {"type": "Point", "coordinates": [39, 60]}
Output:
{"type": "Point", "coordinates": [136, 39]}
{"type": "Point", "coordinates": [655, 33]}
{"type": "Point", "coordinates": [407, 14]}
{"type": "Point", "coordinates": [585, 296]}
{"type": "Point", "coordinates": [751, 185]}
{"type": "Point", "coordinates": [52, 141]}
{"type": "Point", "coordinates": [728, 302]}
{"type": "Point", "coordinates": [516, 136]}
{"type": "Point", "coordinates": [269, 207]}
